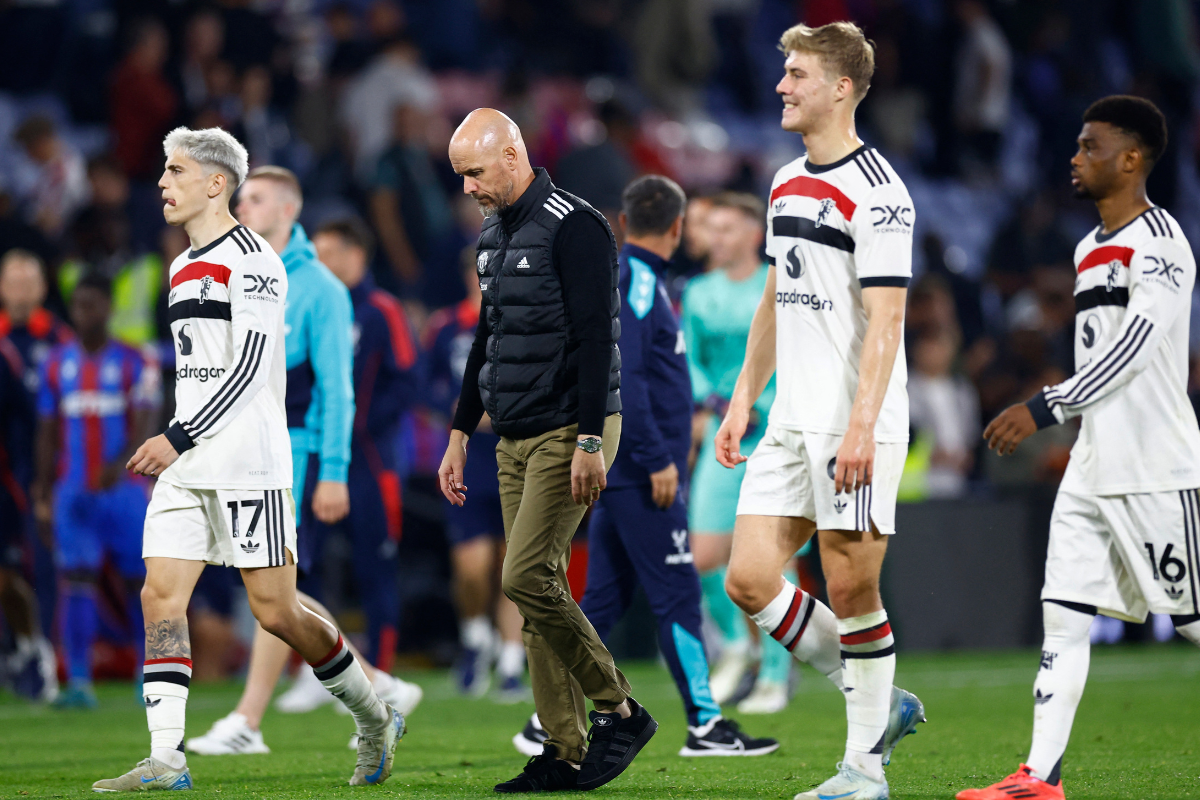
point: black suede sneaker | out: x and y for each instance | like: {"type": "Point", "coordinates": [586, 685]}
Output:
{"type": "Point", "coordinates": [613, 743]}
{"type": "Point", "coordinates": [544, 773]}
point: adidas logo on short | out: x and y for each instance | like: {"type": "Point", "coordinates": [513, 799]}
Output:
{"type": "Point", "coordinates": [250, 547]}
{"type": "Point", "coordinates": [523, 263]}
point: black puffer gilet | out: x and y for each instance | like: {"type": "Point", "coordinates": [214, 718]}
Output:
{"type": "Point", "coordinates": [530, 382]}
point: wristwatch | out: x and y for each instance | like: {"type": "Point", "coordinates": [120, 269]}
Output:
{"type": "Point", "coordinates": [591, 444]}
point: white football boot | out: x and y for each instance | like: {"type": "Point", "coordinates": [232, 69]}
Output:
{"type": "Point", "coordinates": [228, 736]}
{"type": "Point", "coordinates": [305, 694]}
{"type": "Point", "coordinates": [768, 697]}
{"type": "Point", "coordinates": [848, 784]}
{"type": "Point", "coordinates": [150, 773]}
{"type": "Point", "coordinates": [726, 674]}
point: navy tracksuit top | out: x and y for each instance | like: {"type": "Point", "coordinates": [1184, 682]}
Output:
{"type": "Point", "coordinates": [656, 390]}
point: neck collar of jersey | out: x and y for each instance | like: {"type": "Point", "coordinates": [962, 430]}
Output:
{"type": "Point", "coordinates": [655, 261]}
{"type": "Point", "coordinates": [529, 202]}
{"type": "Point", "coordinates": [299, 250]}
{"type": "Point", "coordinates": [817, 169]}
{"type": "Point", "coordinates": [1101, 236]}
{"type": "Point", "coordinates": [213, 243]}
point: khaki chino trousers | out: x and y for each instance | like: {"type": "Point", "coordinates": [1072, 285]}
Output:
{"type": "Point", "coordinates": [567, 660]}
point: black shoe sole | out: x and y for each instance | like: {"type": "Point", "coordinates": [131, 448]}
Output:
{"type": "Point", "coordinates": [626, 760]}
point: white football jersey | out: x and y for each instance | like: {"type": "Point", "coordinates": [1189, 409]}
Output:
{"type": "Point", "coordinates": [1133, 294]}
{"type": "Point", "coordinates": [226, 312]}
{"type": "Point", "coordinates": [833, 230]}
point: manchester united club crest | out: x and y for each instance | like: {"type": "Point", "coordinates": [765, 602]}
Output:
{"type": "Point", "coordinates": [481, 263]}
{"type": "Point", "coordinates": [827, 206]}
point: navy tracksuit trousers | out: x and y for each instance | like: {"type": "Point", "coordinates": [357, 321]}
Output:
{"type": "Point", "coordinates": [632, 541]}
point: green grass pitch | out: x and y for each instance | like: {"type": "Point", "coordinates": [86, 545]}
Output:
{"type": "Point", "coordinates": [1137, 735]}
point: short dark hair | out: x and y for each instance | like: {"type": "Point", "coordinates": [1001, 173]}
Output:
{"type": "Point", "coordinates": [353, 232]}
{"type": "Point", "coordinates": [651, 205]}
{"type": "Point", "coordinates": [96, 280]}
{"type": "Point", "coordinates": [1138, 117]}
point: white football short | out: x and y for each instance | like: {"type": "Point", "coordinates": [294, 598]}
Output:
{"type": "Point", "coordinates": [790, 474]}
{"type": "Point", "coordinates": [245, 529]}
{"type": "Point", "coordinates": [1126, 555]}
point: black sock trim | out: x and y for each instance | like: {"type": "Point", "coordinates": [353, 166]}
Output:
{"type": "Point", "coordinates": [878, 748]}
{"type": "Point", "coordinates": [177, 678]}
{"type": "Point", "coordinates": [1082, 608]}
{"type": "Point", "coordinates": [336, 667]}
{"type": "Point", "coordinates": [1055, 774]}
{"type": "Point", "coordinates": [887, 651]}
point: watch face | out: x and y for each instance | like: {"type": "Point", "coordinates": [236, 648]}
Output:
{"type": "Point", "coordinates": [589, 445]}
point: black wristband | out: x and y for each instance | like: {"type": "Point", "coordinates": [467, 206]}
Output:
{"type": "Point", "coordinates": [178, 438]}
{"type": "Point", "coordinates": [1040, 409]}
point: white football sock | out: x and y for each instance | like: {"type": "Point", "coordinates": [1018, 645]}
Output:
{"type": "Point", "coordinates": [476, 633]}
{"type": "Point", "coordinates": [1066, 653]}
{"type": "Point", "coordinates": [165, 685]}
{"type": "Point", "coordinates": [512, 659]}
{"type": "Point", "coordinates": [343, 676]}
{"type": "Point", "coordinates": [869, 654]}
{"type": "Point", "coordinates": [806, 627]}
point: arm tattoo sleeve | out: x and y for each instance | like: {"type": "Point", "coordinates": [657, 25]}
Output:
{"type": "Point", "coordinates": [168, 638]}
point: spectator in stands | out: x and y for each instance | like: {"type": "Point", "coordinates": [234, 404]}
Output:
{"type": "Point", "coordinates": [983, 86]}
{"type": "Point", "coordinates": [262, 128]}
{"type": "Point", "coordinates": [143, 103]}
{"type": "Point", "coordinates": [203, 38]}
{"type": "Point", "coordinates": [101, 243]}
{"type": "Point", "coordinates": [350, 52]}
{"type": "Point", "coordinates": [409, 206]}
{"type": "Point", "coordinates": [61, 186]}
{"type": "Point", "coordinates": [674, 52]}
{"type": "Point", "coordinates": [944, 411]}
{"type": "Point", "coordinates": [895, 110]}
{"type": "Point", "coordinates": [599, 173]}
{"type": "Point", "coordinates": [15, 232]}
{"type": "Point", "coordinates": [394, 78]}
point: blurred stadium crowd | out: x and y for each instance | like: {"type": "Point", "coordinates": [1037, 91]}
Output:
{"type": "Point", "coordinates": [975, 103]}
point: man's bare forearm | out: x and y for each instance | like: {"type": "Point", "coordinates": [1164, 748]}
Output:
{"type": "Point", "coordinates": [759, 364]}
{"type": "Point", "coordinates": [885, 331]}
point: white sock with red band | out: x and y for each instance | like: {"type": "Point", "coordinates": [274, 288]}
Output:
{"type": "Point", "coordinates": [806, 627]}
{"type": "Point", "coordinates": [869, 656]}
{"type": "Point", "coordinates": [343, 676]}
{"type": "Point", "coordinates": [165, 683]}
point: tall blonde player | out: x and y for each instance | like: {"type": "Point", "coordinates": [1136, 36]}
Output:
{"type": "Point", "coordinates": [224, 467]}
{"type": "Point", "coordinates": [830, 326]}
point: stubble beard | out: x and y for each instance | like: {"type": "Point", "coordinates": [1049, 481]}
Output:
{"type": "Point", "coordinates": [502, 201]}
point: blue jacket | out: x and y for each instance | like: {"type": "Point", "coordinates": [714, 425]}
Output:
{"type": "Point", "coordinates": [318, 319]}
{"type": "Point", "coordinates": [656, 389]}
{"type": "Point", "coordinates": [386, 377]}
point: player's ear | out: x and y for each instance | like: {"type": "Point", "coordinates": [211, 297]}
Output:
{"type": "Point", "coordinates": [216, 184]}
{"type": "Point", "coordinates": [676, 228]}
{"type": "Point", "coordinates": [844, 89]}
